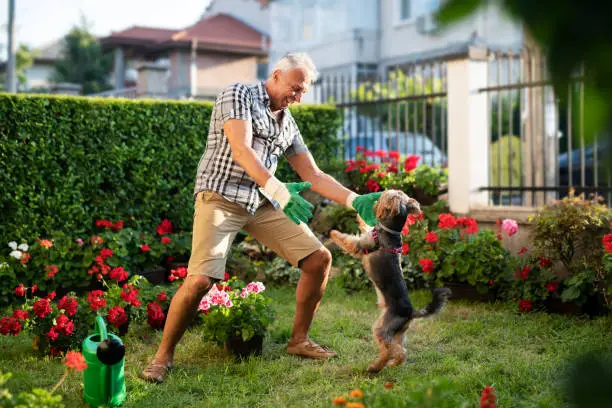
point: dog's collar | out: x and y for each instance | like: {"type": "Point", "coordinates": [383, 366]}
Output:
{"type": "Point", "coordinates": [397, 250]}
{"type": "Point", "coordinates": [389, 230]}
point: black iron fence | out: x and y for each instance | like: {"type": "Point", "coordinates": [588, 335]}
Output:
{"type": "Point", "coordinates": [405, 112]}
{"type": "Point", "coordinates": [538, 147]}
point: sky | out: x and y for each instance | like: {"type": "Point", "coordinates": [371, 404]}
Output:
{"type": "Point", "coordinates": [38, 22]}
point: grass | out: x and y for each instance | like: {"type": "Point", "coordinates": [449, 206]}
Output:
{"type": "Point", "coordinates": [473, 345]}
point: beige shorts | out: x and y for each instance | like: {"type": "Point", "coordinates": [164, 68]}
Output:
{"type": "Point", "coordinates": [216, 222]}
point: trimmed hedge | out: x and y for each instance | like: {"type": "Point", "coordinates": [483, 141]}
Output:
{"type": "Point", "coordinates": [66, 161]}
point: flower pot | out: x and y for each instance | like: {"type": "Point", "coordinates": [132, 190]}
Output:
{"type": "Point", "coordinates": [242, 349]}
{"type": "Point", "coordinates": [463, 290]}
{"type": "Point", "coordinates": [156, 275]}
{"type": "Point", "coordinates": [424, 198]}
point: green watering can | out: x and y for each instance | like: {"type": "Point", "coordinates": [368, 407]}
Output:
{"type": "Point", "coordinates": [104, 378]}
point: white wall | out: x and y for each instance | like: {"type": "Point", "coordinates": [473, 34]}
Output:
{"type": "Point", "coordinates": [402, 39]}
{"type": "Point", "coordinates": [249, 11]}
{"type": "Point", "coordinates": [38, 76]}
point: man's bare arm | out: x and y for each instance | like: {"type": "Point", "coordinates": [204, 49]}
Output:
{"type": "Point", "coordinates": [322, 183]}
{"type": "Point", "coordinates": [239, 133]}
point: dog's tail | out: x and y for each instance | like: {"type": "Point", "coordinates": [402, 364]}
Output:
{"type": "Point", "coordinates": [440, 297]}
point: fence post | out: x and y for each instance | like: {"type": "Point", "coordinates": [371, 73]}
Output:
{"type": "Point", "coordinates": [468, 130]}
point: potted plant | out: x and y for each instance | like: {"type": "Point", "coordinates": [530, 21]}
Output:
{"type": "Point", "coordinates": [236, 316]}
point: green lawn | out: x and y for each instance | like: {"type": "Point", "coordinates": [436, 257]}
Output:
{"type": "Point", "coordinates": [471, 344]}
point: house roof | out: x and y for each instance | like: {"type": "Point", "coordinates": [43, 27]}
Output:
{"type": "Point", "coordinates": [220, 32]}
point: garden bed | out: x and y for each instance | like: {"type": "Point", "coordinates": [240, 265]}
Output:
{"type": "Point", "coordinates": [471, 344]}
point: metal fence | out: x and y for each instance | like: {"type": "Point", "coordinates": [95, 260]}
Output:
{"type": "Point", "coordinates": [405, 112]}
{"type": "Point", "coordinates": [538, 147]}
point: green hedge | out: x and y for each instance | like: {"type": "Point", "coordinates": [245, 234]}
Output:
{"type": "Point", "coordinates": [66, 161]}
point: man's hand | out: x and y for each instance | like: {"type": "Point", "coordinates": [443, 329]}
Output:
{"type": "Point", "coordinates": [364, 205]}
{"type": "Point", "coordinates": [288, 197]}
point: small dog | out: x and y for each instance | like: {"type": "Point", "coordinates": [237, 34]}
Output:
{"type": "Point", "coordinates": [379, 249]}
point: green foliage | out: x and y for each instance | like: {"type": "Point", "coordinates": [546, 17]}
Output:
{"type": "Point", "coordinates": [318, 125]}
{"type": "Point", "coordinates": [531, 278]}
{"type": "Point", "coordinates": [66, 161]}
{"type": "Point", "coordinates": [439, 392]}
{"type": "Point", "coordinates": [569, 232]}
{"type": "Point", "coordinates": [24, 59]}
{"type": "Point", "coordinates": [83, 62]}
{"type": "Point", "coordinates": [402, 117]}
{"type": "Point", "coordinates": [478, 259]}
{"type": "Point", "coordinates": [281, 272]}
{"type": "Point", "coordinates": [505, 166]}
{"type": "Point", "coordinates": [36, 398]}
{"type": "Point", "coordinates": [351, 275]}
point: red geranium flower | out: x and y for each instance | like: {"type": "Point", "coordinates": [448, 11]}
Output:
{"type": "Point", "coordinates": [411, 163]}
{"type": "Point", "coordinates": [447, 221]}
{"type": "Point", "coordinates": [372, 185]}
{"type": "Point", "coordinates": [431, 237]}
{"type": "Point", "coordinates": [488, 398]}
{"type": "Point", "coordinates": [69, 304]}
{"type": "Point", "coordinates": [75, 361]}
{"type": "Point", "coordinates": [525, 305]}
{"type": "Point", "coordinates": [552, 286]}
{"type": "Point", "coordinates": [117, 316]}
{"type": "Point", "coordinates": [10, 325]}
{"type": "Point", "coordinates": [41, 308]}
{"type": "Point", "coordinates": [106, 253]}
{"type": "Point", "coordinates": [20, 290]}
{"type": "Point", "coordinates": [165, 240]}
{"type": "Point", "coordinates": [145, 248]}
{"type": "Point", "coordinates": [119, 274]}
{"type": "Point", "coordinates": [427, 265]}
{"type": "Point", "coordinates": [164, 227]}
{"type": "Point", "coordinates": [162, 296]}
{"type": "Point", "coordinates": [405, 248]}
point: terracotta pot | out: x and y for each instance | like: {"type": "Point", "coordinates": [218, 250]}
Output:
{"type": "Point", "coordinates": [242, 349]}
{"type": "Point", "coordinates": [156, 276]}
{"type": "Point", "coordinates": [424, 198]}
{"type": "Point", "coordinates": [463, 290]}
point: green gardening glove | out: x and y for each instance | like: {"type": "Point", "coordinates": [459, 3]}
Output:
{"type": "Point", "coordinates": [364, 205]}
{"type": "Point", "coordinates": [298, 209]}
{"type": "Point", "coordinates": [288, 197]}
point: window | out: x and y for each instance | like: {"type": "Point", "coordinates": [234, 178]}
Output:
{"type": "Point", "coordinates": [405, 10]}
{"type": "Point", "coordinates": [262, 69]}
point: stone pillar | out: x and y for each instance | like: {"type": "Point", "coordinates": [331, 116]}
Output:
{"type": "Point", "coordinates": [468, 131]}
{"type": "Point", "coordinates": [119, 68]}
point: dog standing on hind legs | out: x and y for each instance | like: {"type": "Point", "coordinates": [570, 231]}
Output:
{"type": "Point", "coordinates": [379, 249]}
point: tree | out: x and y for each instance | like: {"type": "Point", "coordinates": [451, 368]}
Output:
{"type": "Point", "coordinates": [25, 59]}
{"type": "Point", "coordinates": [83, 62]}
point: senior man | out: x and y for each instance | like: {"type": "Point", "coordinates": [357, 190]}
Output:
{"type": "Point", "coordinates": [236, 189]}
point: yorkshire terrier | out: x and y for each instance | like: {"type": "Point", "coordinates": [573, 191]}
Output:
{"type": "Point", "coordinates": [379, 249]}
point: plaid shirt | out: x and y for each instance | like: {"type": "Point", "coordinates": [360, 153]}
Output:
{"type": "Point", "coordinates": [217, 170]}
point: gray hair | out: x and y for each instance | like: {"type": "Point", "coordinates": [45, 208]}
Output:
{"type": "Point", "coordinates": [298, 60]}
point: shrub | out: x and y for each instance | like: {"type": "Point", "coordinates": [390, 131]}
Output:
{"type": "Point", "coordinates": [569, 232]}
{"type": "Point", "coordinates": [69, 160]}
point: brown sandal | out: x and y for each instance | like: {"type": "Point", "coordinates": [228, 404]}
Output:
{"type": "Point", "coordinates": [310, 349]}
{"type": "Point", "coordinates": [155, 372]}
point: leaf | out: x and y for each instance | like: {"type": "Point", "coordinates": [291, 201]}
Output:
{"type": "Point", "coordinates": [454, 10]}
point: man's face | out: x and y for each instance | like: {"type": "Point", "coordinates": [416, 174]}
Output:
{"type": "Point", "coordinates": [289, 87]}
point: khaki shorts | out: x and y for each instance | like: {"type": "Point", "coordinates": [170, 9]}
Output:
{"type": "Point", "coordinates": [216, 222]}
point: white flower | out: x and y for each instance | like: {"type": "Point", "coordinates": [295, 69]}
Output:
{"type": "Point", "coordinates": [23, 247]}
{"type": "Point", "coordinates": [16, 254]}
{"type": "Point", "coordinates": [13, 245]}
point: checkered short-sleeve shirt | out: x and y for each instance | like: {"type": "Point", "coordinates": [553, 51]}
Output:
{"type": "Point", "coordinates": [217, 170]}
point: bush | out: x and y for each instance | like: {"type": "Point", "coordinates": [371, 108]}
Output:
{"type": "Point", "coordinates": [69, 160]}
{"type": "Point", "coordinates": [570, 232]}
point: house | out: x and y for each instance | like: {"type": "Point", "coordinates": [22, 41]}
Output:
{"type": "Point", "coordinates": [366, 38]}
{"type": "Point", "coordinates": [196, 61]}
{"type": "Point", "coordinates": [39, 73]}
